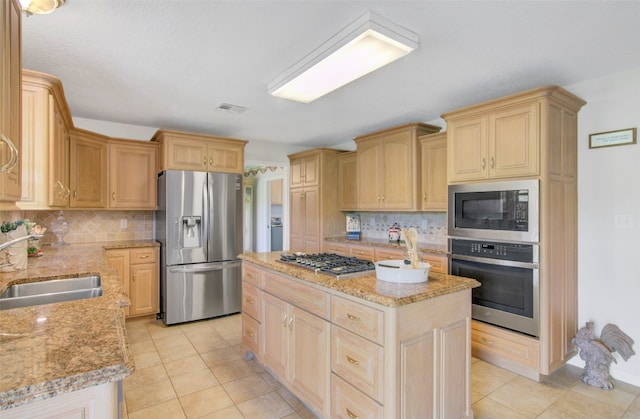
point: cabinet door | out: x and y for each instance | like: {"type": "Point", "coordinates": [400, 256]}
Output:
{"type": "Point", "coordinates": [297, 220]}
{"type": "Point", "coordinates": [347, 182]}
{"type": "Point", "coordinates": [10, 82]}
{"type": "Point", "coordinates": [467, 149]}
{"type": "Point", "coordinates": [369, 164]}
{"type": "Point", "coordinates": [132, 176]}
{"type": "Point", "coordinates": [186, 154]}
{"type": "Point", "coordinates": [310, 363]}
{"type": "Point", "coordinates": [274, 344]}
{"type": "Point", "coordinates": [119, 260]}
{"type": "Point", "coordinates": [226, 158]}
{"type": "Point", "coordinates": [434, 173]}
{"type": "Point", "coordinates": [514, 142]}
{"type": "Point", "coordinates": [311, 202]}
{"type": "Point", "coordinates": [145, 279]}
{"type": "Point", "coordinates": [297, 173]}
{"type": "Point", "coordinates": [88, 172]}
{"type": "Point", "coordinates": [59, 188]}
{"type": "Point", "coordinates": [396, 173]}
{"type": "Point", "coordinates": [305, 171]}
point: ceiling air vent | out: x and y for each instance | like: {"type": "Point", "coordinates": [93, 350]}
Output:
{"type": "Point", "coordinates": [227, 107]}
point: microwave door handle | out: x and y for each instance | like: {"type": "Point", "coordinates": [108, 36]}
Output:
{"type": "Point", "coordinates": [512, 263]}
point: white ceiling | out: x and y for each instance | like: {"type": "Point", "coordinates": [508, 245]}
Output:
{"type": "Point", "coordinates": [170, 63]}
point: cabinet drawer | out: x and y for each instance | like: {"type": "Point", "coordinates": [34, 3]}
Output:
{"type": "Point", "coordinates": [250, 300]}
{"type": "Point", "coordinates": [144, 255]}
{"type": "Point", "coordinates": [362, 252]}
{"type": "Point", "coordinates": [341, 249]}
{"type": "Point", "coordinates": [389, 254]}
{"type": "Point", "coordinates": [251, 274]}
{"type": "Point", "coordinates": [504, 348]}
{"type": "Point", "coordinates": [358, 361]}
{"type": "Point", "coordinates": [347, 402]}
{"type": "Point", "coordinates": [358, 318]}
{"type": "Point", "coordinates": [307, 298]}
{"type": "Point", "coordinates": [250, 332]}
{"type": "Point", "coordinates": [438, 263]}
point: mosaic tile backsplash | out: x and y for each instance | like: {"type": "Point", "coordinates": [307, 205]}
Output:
{"type": "Point", "coordinates": [87, 226]}
{"type": "Point", "coordinates": [431, 227]}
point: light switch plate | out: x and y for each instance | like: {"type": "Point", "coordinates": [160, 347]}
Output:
{"type": "Point", "coordinates": [123, 223]}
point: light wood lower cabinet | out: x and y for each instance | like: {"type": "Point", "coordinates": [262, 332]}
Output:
{"type": "Point", "coordinates": [140, 273]}
{"type": "Point", "coordinates": [361, 359]}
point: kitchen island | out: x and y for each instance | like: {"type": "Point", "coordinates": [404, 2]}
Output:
{"type": "Point", "coordinates": [360, 347]}
{"type": "Point", "coordinates": [52, 354]}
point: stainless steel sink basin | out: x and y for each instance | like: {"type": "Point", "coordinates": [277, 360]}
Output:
{"type": "Point", "coordinates": [51, 291]}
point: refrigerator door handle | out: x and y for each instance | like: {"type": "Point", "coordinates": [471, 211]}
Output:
{"type": "Point", "coordinates": [205, 215]}
{"type": "Point", "coordinates": [204, 267]}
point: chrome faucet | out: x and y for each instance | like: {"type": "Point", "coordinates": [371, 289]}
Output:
{"type": "Point", "coordinates": [20, 239]}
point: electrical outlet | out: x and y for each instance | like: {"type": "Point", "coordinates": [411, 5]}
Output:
{"type": "Point", "coordinates": [623, 221]}
{"type": "Point", "coordinates": [123, 223]}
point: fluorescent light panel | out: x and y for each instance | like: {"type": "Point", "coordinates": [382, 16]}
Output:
{"type": "Point", "coordinates": [362, 47]}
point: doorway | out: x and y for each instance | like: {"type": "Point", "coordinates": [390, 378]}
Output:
{"type": "Point", "coordinates": [276, 222]}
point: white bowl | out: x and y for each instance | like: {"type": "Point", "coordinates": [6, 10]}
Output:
{"type": "Point", "coordinates": [397, 271]}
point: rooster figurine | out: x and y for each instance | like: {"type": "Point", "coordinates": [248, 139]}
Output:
{"type": "Point", "coordinates": [598, 353]}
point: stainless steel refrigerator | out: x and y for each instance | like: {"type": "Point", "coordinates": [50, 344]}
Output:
{"type": "Point", "coordinates": [199, 225]}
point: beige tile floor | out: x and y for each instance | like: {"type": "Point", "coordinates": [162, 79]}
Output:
{"type": "Point", "coordinates": [195, 370]}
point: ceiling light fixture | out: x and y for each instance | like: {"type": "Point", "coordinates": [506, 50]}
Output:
{"type": "Point", "coordinates": [365, 45]}
{"type": "Point", "coordinates": [40, 7]}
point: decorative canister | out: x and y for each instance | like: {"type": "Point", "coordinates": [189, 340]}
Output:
{"type": "Point", "coordinates": [394, 233]}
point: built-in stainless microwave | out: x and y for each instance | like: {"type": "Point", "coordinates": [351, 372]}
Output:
{"type": "Point", "coordinates": [506, 211]}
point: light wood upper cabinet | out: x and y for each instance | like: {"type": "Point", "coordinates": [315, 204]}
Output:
{"type": "Point", "coordinates": [132, 174]}
{"type": "Point", "coordinates": [198, 152]}
{"type": "Point", "coordinates": [434, 172]}
{"type": "Point", "coordinates": [88, 169]}
{"type": "Point", "coordinates": [10, 109]}
{"type": "Point", "coordinates": [498, 141]}
{"type": "Point", "coordinates": [388, 167]}
{"type": "Point", "coordinates": [276, 191]}
{"type": "Point", "coordinates": [305, 171]}
{"type": "Point", "coordinates": [58, 185]}
{"type": "Point", "coordinates": [347, 181]}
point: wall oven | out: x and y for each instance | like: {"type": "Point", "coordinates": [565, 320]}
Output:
{"type": "Point", "coordinates": [509, 274]}
{"type": "Point", "coordinates": [507, 211]}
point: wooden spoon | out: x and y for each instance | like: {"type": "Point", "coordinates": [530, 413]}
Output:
{"type": "Point", "coordinates": [413, 234]}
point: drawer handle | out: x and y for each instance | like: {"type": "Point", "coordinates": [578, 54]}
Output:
{"type": "Point", "coordinates": [143, 256]}
{"type": "Point", "coordinates": [352, 317]}
{"type": "Point", "coordinates": [284, 321]}
{"type": "Point", "coordinates": [488, 342]}
{"type": "Point", "coordinates": [291, 323]}
{"type": "Point", "coordinates": [351, 414]}
{"type": "Point", "coordinates": [353, 360]}
{"type": "Point", "coordinates": [250, 334]}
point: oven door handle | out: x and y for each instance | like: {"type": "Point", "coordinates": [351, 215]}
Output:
{"type": "Point", "coordinates": [515, 264]}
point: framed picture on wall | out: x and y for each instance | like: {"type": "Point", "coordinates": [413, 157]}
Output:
{"type": "Point", "coordinates": [613, 138]}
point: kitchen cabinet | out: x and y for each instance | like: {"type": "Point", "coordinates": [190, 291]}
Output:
{"type": "Point", "coordinates": [404, 361]}
{"type": "Point", "coordinates": [139, 271]}
{"type": "Point", "coordinates": [294, 343]}
{"type": "Point", "coordinates": [87, 169]}
{"type": "Point", "coordinates": [434, 172]}
{"type": "Point", "coordinates": [10, 111]}
{"type": "Point", "coordinates": [388, 167]}
{"type": "Point", "coordinates": [531, 134]}
{"type": "Point", "coordinates": [314, 212]}
{"type": "Point", "coordinates": [132, 174]}
{"type": "Point", "coordinates": [275, 191]}
{"type": "Point", "coordinates": [347, 181]}
{"type": "Point", "coordinates": [199, 152]}
{"type": "Point", "coordinates": [498, 142]}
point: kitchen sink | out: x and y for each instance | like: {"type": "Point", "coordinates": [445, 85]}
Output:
{"type": "Point", "coordinates": [51, 291]}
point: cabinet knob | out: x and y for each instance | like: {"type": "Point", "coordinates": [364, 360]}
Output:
{"type": "Point", "coordinates": [291, 323]}
{"type": "Point", "coordinates": [284, 321]}
{"type": "Point", "coordinates": [133, 277]}
{"type": "Point", "coordinates": [352, 317]}
{"type": "Point", "coordinates": [249, 300]}
{"type": "Point", "coordinates": [113, 196]}
{"type": "Point", "coordinates": [351, 414]}
{"type": "Point", "coordinates": [483, 163]}
{"type": "Point", "coordinates": [425, 197]}
{"type": "Point", "coordinates": [250, 334]}
{"type": "Point", "coordinates": [492, 162]}
{"type": "Point", "coordinates": [210, 161]}
{"type": "Point", "coordinates": [75, 194]}
{"type": "Point", "coordinates": [353, 360]}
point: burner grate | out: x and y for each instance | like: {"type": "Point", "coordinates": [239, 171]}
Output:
{"type": "Point", "coordinates": [329, 263]}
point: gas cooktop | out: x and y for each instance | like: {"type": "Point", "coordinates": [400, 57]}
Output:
{"type": "Point", "coordinates": [329, 263]}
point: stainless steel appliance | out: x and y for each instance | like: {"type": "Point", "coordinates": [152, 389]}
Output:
{"type": "Point", "coordinates": [199, 224]}
{"type": "Point", "coordinates": [276, 234]}
{"type": "Point", "coordinates": [329, 263]}
{"type": "Point", "coordinates": [506, 211]}
{"type": "Point", "coordinates": [509, 274]}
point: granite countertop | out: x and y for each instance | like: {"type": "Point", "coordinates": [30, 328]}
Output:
{"type": "Point", "coordinates": [435, 248]}
{"type": "Point", "coordinates": [367, 287]}
{"type": "Point", "coordinates": [52, 349]}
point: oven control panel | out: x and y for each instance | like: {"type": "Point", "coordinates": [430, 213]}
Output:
{"type": "Point", "coordinates": [519, 252]}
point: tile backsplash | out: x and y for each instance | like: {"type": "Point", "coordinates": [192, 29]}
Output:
{"type": "Point", "coordinates": [87, 226]}
{"type": "Point", "coordinates": [431, 227]}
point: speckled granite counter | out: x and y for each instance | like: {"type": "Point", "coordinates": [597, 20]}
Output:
{"type": "Point", "coordinates": [367, 287]}
{"type": "Point", "coordinates": [53, 349]}
{"type": "Point", "coordinates": [435, 248]}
